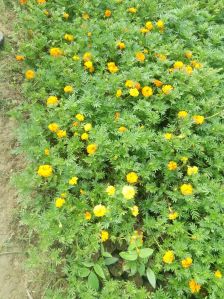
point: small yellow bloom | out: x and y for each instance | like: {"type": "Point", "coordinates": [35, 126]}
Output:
{"type": "Point", "coordinates": [182, 114]}
{"type": "Point", "coordinates": [69, 37]}
{"type": "Point", "coordinates": [121, 45]}
{"type": "Point", "coordinates": [41, 1]}
{"type": "Point", "coordinates": [85, 16]}
{"type": "Point", "coordinates": [52, 101]}
{"type": "Point", "coordinates": [186, 189]}
{"type": "Point", "coordinates": [132, 9]}
{"type": "Point", "coordinates": [128, 192]}
{"type": "Point", "coordinates": [45, 170]}
{"type": "Point", "coordinates": [122, 129]}
{"type": "Point", "coordinates": [61, 133]}
{"type": "Point", "coordinates": [167, 89]}
{"type": "Point", "coordinates": [80, 117]}
{"type": "Point", "coordinates": [99, 210]}
{"type": "Point", "coordinates": [147, 91]}
{"type": "Point", "coordinates": [73, 181]}
{"type": "Point", "coordinates": [168, 257]}
{"type": "Point", "coordinates": [59, 202]}
{"type": "Point", "coordinates": [132, 177]}
{"type": "Point", "coordinates": [88, 127]}
{"type": "Point", "coordinates": [178, 65]}
{"type": "Point", "coordinates": [172, 165]}
{"type": "Point", "coordinates": [191, 170]}
{"type": "Point", "coordinates": [118, 93]}
{"type": "Point", "coordinates": [149, 25]}
{"type": "Point", "coordinates": [112, 68]}
{"type": "Point", "coordinates": [65, 15]}
{"type": "Point", "coordinates": [76, 58]}
{"type": "Point", "coordinates": [196, 64]}
{"type": "Point", "coordinates": [107, 13]}
{"type": "Point", "coordinates": [129, 83]}
{"type": "Point", "coordinates": [173, 215]}
{"type": "Point", "coordinates": [188, 54]}
{"type": "Point", "coordinates": [218, 274]}
{"type": "Point", "coordinates": [87, 56]}
{"type": "Point", "coordinates": [187, 262]}
{"type": "Point", "coordinates": [184, 159]}
{"type": "Point", "coordinates": [140, 56]}
{"type": "Point", "coordinates": [160, 24]}
{"type": "Point", "coordinates": [88, 215]}
{"type": "Point", "coordinates": [168, 136]}
{"type": "Point", "coordinates": [91, 148]}
{"type": "Point", "coordinates": [135, 211]}
{"type": "Point", "coordinates": [104, 235]}
{"type": "Point", "coordinates": [157, 83]}
{"type": "Point", "coordinates": [134, 92]}
{"type": "Point", "coordinates": [144, 30]}
{"type": "Point", "coordinates": [68, 89]}
{"type": "Point", "coordinates": [89, 34]}
{"type": "Point", "coordinates": [194, 286]}
{"type": "Point", "coordinates": [53, 127]}
{"type": "Point", "coordinates": [85, 136]}
{"type": "Point", "coordinates": [47, 152]}
{"type": "Point", "coordinates": [188, 69]}
{"type": "Point", "coordinates": [198, 119]}
{"type": "Point", "coordinates": [56, 52]}
{"type": "Point", "coordinates": [20, 57]}
{"type": "Point", "coordinates": [110, 190]}
{"type": "Point", "coordinates": [30, 74]}
{"type": "Point", "coordinates": [88, 64]}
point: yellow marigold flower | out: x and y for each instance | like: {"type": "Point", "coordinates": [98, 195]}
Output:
{"type": "Point", "coordinates": [187, 262]}
{"type": "Point", "coordinates": [178, 65]}
{"type": "Point", "coordinates": [41, 1]}
{"type": "Point", "coordinates": [85, 16]}
{"type": "Point", "coordinates": [135, 211]}
{"type": "Point", "coordinates": [149, 25]}
{"type": "Point", "coordinates": [88, 215]}
{"type": "Point", "coordinates": [45, 170]}
{"type": "Point", "coordinates": [132, 177]}
{"type": "Point", "coordinates": [99, 210]}
{"type": "Point", "coordinates": [59, 202]}
{"type": "Point", "coordinates": [134, 92]}
{"type": "Point", "coordinates": [107, 13]}
{"type": "Point", "coordinates": [172, 165]}
{"type": "Point", "coordinates": [116, 115]}
{"type": "Point", "coordinates": [186, 189]}
{"type": "Point", "coordinates": [168, 136]}
{"type": "Point", "coordinates": [198, 119]}
{"type": "Point", "coordinates": [147, 91]}
{"type": "Point", "coordinates": [129, 83]}
{"type": "Point", "coordinates": [128, 192]}
{"type": "Point", "coordinates": [88, 127]}
{"type": "Point", "coordinates": [30, 74]}
{"type": "Point", "coordinates": [196, 64]}
{"type": "Point", "coordinates": [157, 83]}
{"type": "Point", "coordinates": [104, 235]}
{"type": "Point", "coordinates": [68, 89]}
{"type": "Point", "coordinates": [132, 9]}
{"type": "Point", "coordinates": [52, 101]}
{"type": "Point", "coordinates": [194, 286]}
{"type": "Point", "coordinates": [20, 57]}
{"type": "Point", "coordinates": [182, 114]}
{"type": "Point", "coordinates": [191, 170]}
{"type": "Point", "coordinates": [111, 190]}
{"type": "Point", "coordinates": [76, 58]}
{"type": "Point", "coordinates": [140, 56]}
{"type": "Point", "coordinates": [188, 54]}
{"type": "Point", "coordinates": [73, 181]}
{"type": "Point", "coordinates": [118, 93]}
{"type": "Point", "coordinates": [46, 12]}
{"type": "Point", "coordinates": [61, 133]}
{"type": "Point", "coordinates": [91, 148]}
{"type": "Point", "coordinates": [167, 88]}
{"type": "Point", "coordinates": [53, 127]}
{"type": "Point", "coordinates": [121, 45]}
{"type": "Point", "coordinates": [85, 136]}
{"type": "Point", "coordinates": [144, 30]}
{"type": "Point", "coordinates": [160, 24]}
{"type": "Point", "coordinates": [88, 64]}
{"type": "Point", "coordinates": [89, 34]}
{"type": "Point", "coordinates": [122, 129]}
{"type": "Point", "coordinates": [47, 152]}
{"type": "Point", "coordinates": [56, 52]}
{"type": "Point", "coordinates": [87, 56]}
{"type": "Point", "coordinates": [173, 215]}
{"type": "Point", "coordinates": [161, 57]}
{"type": "Point", "coordinates": [65, 15]}
{"type": "Point", "coordinates": [168, 257]}
{"type": "Point", "coordinates": [218, 274]}
{"type": "Point", "coordinates": [80, 117]}
{"type": "Point", "coordinates": [188, 69]}
{"type": "Point", "coordinates": [112, 68]}
{"type": "Point", "coordinates": [184, 159]}
{"type": "Point", "coordinates": [69, 37]}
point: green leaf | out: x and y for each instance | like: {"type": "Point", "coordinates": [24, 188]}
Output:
{"type": "Point", "coordinates": [87, 264]}
{"type": "Point", "coordinates": [110, 260]}
{"type": "Point", "coordinates": [99, 271]}
{"type": "Point", "coordinates": [106, 254]}
{"type": "Point", "coordinates": [83, 272]}
{"type": "Point", "coordinates": [93, 281]}
{"type": "Point", "coordinates": [151, 277]}
{"type": "Point", "coordinates": [129, 256]}
{"type": "Point", "coordinates": [145, 252]}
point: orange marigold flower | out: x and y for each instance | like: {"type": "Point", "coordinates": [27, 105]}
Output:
{"type": "Point", "coordinates": [30, 74]}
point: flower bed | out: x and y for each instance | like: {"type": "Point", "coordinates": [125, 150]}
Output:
{"type": "Point", "coordinates": [123, 193]}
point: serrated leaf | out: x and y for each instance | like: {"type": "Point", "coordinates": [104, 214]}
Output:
{"type": "Point", "coordinates": [151, 277]}
{"type": "Point", "coordinates": [129, 256]}
{"type": "Point", "coordinates": [93, 281]}
{"type": "Point", "coordinates": [145, 252]}
{"type": "Point", "coordinates": [99, 271]}
{"type": "Point", "coordinates": [83, 272]}
{"type": "Point", "coordinates": [110, 260]}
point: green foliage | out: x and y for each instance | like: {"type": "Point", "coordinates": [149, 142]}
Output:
{"type": "Point", "coordinates": [129, 262]}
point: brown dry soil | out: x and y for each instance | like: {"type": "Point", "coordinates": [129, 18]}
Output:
{"type": "Point", "coordinates": [13, 280]}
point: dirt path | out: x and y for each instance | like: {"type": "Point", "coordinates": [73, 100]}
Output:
{"type": "Point", "coordinates": [12, 275]}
